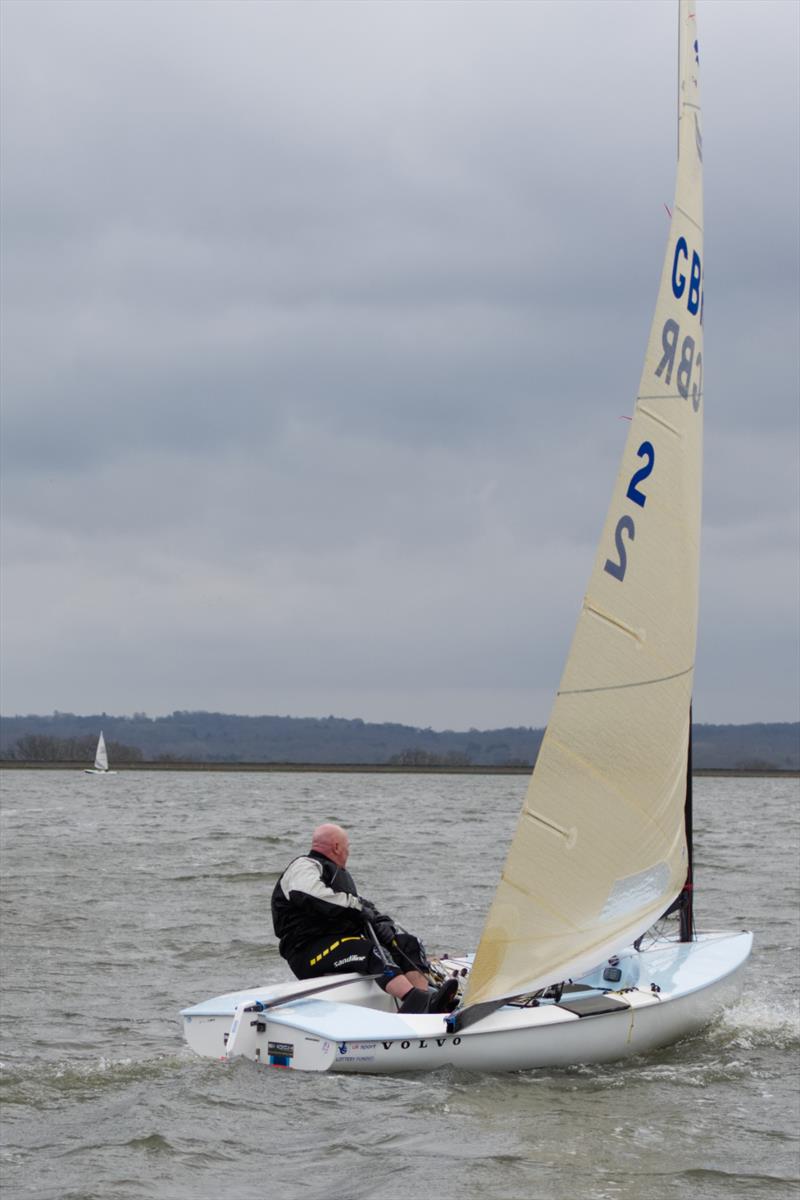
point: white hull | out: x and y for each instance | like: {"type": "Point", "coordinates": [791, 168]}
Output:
{"type": "Point", "coordinates": [356, 1028]}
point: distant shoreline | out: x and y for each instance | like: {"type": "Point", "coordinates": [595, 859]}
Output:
{"type": "Point", "coordinates": [362, 768]}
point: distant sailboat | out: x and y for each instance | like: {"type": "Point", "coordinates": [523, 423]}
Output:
{"type": "Point", "coordinates": [100, 759]}
{"type": "Point", "coordinates": [577, 962]}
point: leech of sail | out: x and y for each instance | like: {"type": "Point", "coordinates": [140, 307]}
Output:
{"type": "Point", "coordinates": [618, 687]}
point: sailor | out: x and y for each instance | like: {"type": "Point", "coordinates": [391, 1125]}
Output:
{"type": "Point", "coordinates": [324, 927]}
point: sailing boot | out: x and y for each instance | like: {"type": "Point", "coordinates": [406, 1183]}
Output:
{"type": "Point", "coordinates": [415, 1001]}
{"type": "Point", "coordinates": [443, 999]}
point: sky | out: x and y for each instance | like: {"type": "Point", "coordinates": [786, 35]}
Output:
{"type": "Point", "coordinates": [319, 321]}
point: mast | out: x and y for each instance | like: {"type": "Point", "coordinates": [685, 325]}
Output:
{"type": "Point", "coordinates": [687, 906]}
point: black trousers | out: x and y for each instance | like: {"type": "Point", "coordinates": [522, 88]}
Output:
{"type": "Point", "coordinates": [336, 954]}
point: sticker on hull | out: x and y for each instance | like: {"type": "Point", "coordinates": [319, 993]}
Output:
{"type": "Point", "coordinates": [280, 1054]}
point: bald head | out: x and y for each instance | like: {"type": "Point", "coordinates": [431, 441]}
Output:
{"type": "Point", "coordinates": [333, 842]}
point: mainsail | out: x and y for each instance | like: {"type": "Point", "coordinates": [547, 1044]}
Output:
{"type": "Point", "coordinates": [600, 848]}
{"type": "Point", "coordinates": [101, 757]}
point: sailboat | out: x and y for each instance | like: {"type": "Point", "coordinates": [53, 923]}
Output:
{"type": "Point", "coordinates": [589, 951]}
{"type": "Point", "coordinates": [100, 759]}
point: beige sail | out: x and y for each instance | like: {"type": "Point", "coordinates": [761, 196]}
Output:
{"type": "Point", "coordinates": [600, 850]}
{"type": "Point", "coordinates": [100, 754]}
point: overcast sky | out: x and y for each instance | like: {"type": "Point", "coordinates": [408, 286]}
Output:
{"type": "Point", "coordinates": [319, 322]}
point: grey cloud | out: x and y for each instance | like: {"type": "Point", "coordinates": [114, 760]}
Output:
{"type": "Point", "coordinates": [319, 321]}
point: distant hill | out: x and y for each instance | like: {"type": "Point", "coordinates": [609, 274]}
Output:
{"type": "Point", "coordinates": [226, 738]}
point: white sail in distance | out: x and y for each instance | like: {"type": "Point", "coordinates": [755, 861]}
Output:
{"type": "Point", "coordinates": [600, 848]}
{"type": "Point", "coordinates": [100, 756]}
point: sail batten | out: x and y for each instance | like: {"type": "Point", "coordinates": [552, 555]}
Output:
{"type": "Point", "coordinates": [567, 834]}
{"type": "Point", "coordinates": [636, 634]}
{"type": "Point", "coordinates": [646, 412]}
{"type": "Point", "coordinates": [612, 765]}
{"type": "Point", "coordinates": [689, 218]}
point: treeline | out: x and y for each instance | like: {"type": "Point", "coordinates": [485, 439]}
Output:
{"type": "Point", "coordinates": [37, 747]}
{"type": "Point", "coordinates": [222, 737]}
{"type": "Point", "coordinates": [453, 758]}
{"type": "Point", "coordinates": [203, 737]}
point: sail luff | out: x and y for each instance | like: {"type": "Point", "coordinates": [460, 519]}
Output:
{"type": "Point", "coordinates": [600, 848]}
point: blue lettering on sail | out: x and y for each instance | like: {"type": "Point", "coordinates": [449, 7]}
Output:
{"type": "Point", "coordinates": [697, 387]}
{"type": "Point", "coordinates": [683, 377]}
{"type": "Point", "coordinates": [693, 299]}
{"type": "Point", "coordinates": [679, 281]}
{"type": "Point", "coordinates": [617, 567]}
{"type": "Point", "coordinates": [694, 295]}
{"type": "Point", "coordinates": [670, 343]}
{"type": "Point", "coordinates": [633, 493]}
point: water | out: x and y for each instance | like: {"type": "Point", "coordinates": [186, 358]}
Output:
{"type": "Point", "coordinates": [126, 898]}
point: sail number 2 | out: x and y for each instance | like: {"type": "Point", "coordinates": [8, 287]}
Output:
{"type": "Point", "coordinates": [681, 357]}
{"type": "Point", "coordinates": [625, 525]}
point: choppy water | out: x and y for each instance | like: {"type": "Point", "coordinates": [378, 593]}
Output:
{"type": "Point", "coordinates": [126, 898]}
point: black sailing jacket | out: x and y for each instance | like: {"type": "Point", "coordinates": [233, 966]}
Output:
{"type": "Point", "coordinates": [314, 897]}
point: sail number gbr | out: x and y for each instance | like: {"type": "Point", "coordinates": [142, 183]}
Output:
{"type": "Point", "coordinates": [625, 525]}
{"type": "Point", "coordinates": [680, 354]}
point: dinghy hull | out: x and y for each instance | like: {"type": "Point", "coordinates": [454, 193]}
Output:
{"type": "Point", "coordinates": [680, 988]}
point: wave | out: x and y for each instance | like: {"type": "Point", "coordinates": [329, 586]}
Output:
{"type": "Point", "coordinates": [759, 1019]}
{"type": "Point", "coordinates": [745, 1183]}
{"type": "Point", "coordinates": [37, 1082]}
{"type": "Point", "coordinates": [263, 953]}
{"type": "Point", "coordinates": [219, 877]}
